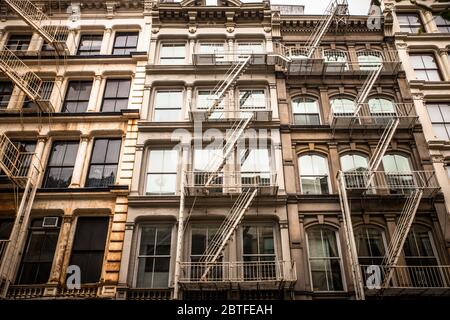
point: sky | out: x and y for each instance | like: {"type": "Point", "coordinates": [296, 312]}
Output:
{"type": "Point", "coordinates": [318, 6]}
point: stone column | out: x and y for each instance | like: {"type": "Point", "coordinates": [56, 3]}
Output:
{"type": "Point", "coordinates": [56, 98]}
{"type": "Point", "coordinates": [57, 275]}
{"type": "Point", "coordinates": [325, 104]}
{"type": "Point", "coordinates": [95, 92]}
{"type": "Point", "coordinates": [230, 49]}
{"type": "Point", "coordinates": [191, 51]}
{"type": "Point", "coordinates": [334, 165]}
{"type": "Point", "coordinates": [445, 65]}
{"type": "Point", "coordinates": [144, 36]}
{"type": "Point", "coordinates": [188, 103]}
{"type": "Point", "coordinates": [39, 153]}
{"type": "Point", "coordinates": [137, 172]}
{"type": "Point", "coordinates": [126, 254]}
{"type": "Point", "coordinates": [423, 116]}
{"type": "Point", "coordinates": [105, 49]}
{"type": "Point", "coordinates": [79, 162]}
{"type": "Point", "coordinates": [273, 100]}
{"type": "Point", "coordinates": [71, 41]}
{"type": "Point", "coordinates": [146, 108]}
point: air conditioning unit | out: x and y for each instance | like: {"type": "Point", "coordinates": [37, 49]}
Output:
{"type": "Point", "coordinates": [50, 222]}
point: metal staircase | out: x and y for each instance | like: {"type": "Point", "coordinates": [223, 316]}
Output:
{"type": "Point", "coordinates": [23, 169]}
{"type": "Point", "coordinates": [54, 35]}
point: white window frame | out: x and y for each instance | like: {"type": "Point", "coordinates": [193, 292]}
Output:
{"type": "Point", "coordinates": [167, 60]}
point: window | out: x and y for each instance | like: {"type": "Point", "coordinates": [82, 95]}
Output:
{"type": "Point", "coordinates": [313, 174]}
{"type": "Point", "coordinates": [168, 105]}
{"type": "Point", "coordinates": [398, 172]}
{"type": "Point", "coordinates": [252, 99]}
{"type": "Point", "coordinates": [104, 160]}
{"type": "Point", "coordinates": [28, 147]}
{"type": "Point", "coordinates": [306, 111]}
{"type": "Point", "coordinates": [60, 166]}
{"type": "Point", "coordinates": [6, 89]}
{"type": "Point", "coordinates": [154, 256]}
{"type": "Point", "coordinates": [425, 67]}
{"type": "Point", "coordinates": [88, 247]}
{"type": "Point", "coordinates": [125, 43]}
{"type": "Point", "coordinates": [448, 171]}
{"type": "Point", "coordinates": [77, 96]}
{"type": "Point", "coordinates": [172, 53]}
{"type": "Point", "coordinates": [258, 252]}
{"type": "Point", "coordinates": [90, 45]}
{"type": "Point", "coordinates": [369, 60]}
{"type": "Point", "coordinates": [420, 256]}
{"type": "Point", "coordinates": [162, 172]}
{"type": "Point", "coordinates": [116, 95]}
{"type": "Point", "coordinates": [38, 254]}
{"type": "Point", "coordinates": [216, 49]}
{"type": "Point", "coordinates": [211, 2]}
{"type": "Point", "coordinates": [409, 22]}
{"type": "Point", "coordinates": [336, 60]}
{"type": "Point", "coordinates": [205, 99]}
{"type": "Point", "coordinates": [250, 47]}
{"type": "Point", "coordinates": [382, 110]}
{"type": "Point", "coordinates": [201, 238]}
{"type": "Point", "coordinates": [18, 42]}
{"type": "Point", "coordinates": [6, 226]}
{"type": "Point", "coordinates": [440, 120]}
{"type": "Point", "coordinates": [343, 106]}
{"type": "Point", "coordinates": [205, 161]}
{"type": "Point", "coordinates": [324, 259]}
{"type": "Point", "coordinates": [370, 245]}
{"type": "Point", "coordinates": [442, 24]}
{"type": "Point", "coordinates": [255, 166]}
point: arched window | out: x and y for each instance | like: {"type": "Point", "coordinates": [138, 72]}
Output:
{"type": "Point", "coordinates": [336, 60]}
{"type": "Point", "coordinates": [398, 173]}
{"type": "Point", "coordinates": [343, 106]}
{"type": "Point", "coordinates": [324, 259]}
{"type": "Point", "coordinates": [421, 258]}
{"type": "Point", "coordinates": [370, 245]}
{"type": "Point", "coordinates": [353, 164]}
{"type": "Point", "coordinates": [306, 111]}
{"type": "Point", "coordinates": [381, 107]}
{"type": "Point", "coordinates": [369, 60]}
{"type": "Point", "coordinates": [314, 174]}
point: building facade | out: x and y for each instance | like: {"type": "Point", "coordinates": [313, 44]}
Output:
{"type": "Point", "coordinates": [217, 150]}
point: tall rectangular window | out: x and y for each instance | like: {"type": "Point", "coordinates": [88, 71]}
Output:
{"type": "Point", "coordinates": [214, 48]}
{"type": "Point", "coordinates": [162, 172]}
{"type": "Point", "coordinates": [18, 42]}
{"type": "Point", "coordinates": [60, 166]}
{"type": "Point", "coordinates": [90, 45]}
{"type": "Point", "coordinates": [6, 226]}
{"type": "Point", "coordinates": [6, 89]}
{"type": "Point", "coordinates": [77, 96]}
{"type": "Point", "coordinates": [205, 99]}
{"type": "Point", "coordinates": [425, 67]}
{"type": "Point", "coordinates": [201, 238]}
{"type": "Point", "coordinates": [154, 256]}
{"type": "Point", "coordinates": [168, 105]}
{"type": "Point", "coordinates": [104, 161]}
{"type": "Point", "coordinates": [255, 166]}
{"type": "Point", "coordinates": [440, 119]}
{"type": "Point", "coordinates": [409, 22]}
{"type": "Point", "coordinates": [38, 254]}
{"type": "Point", "coordinates": [442, 24]}
{"type": "Point", "coordinates": [116, 95]}
{"type": "Point", "coordinates": [252, 99]}
{"type": "Point", "coordinates": [88, 247]}
{"type": "Point", "coordinates": [125, 43]}
{"type": "Point", "coordinates": [172, 53]}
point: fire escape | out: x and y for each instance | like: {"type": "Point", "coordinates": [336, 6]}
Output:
{"type": "Point", "coordinates": [23, 168]}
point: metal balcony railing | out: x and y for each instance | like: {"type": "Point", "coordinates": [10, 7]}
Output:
{"type": "Point", "coordinates": [395, 182]}
{"type": "Point", "coordinates": [219, 57]}
{"type": "Point", "coordinates": [240, 271]}
{"type": "Point", "coordinates": [410, 277]}
{"type": "Point", "coordinates": [230, 182]}
{"type": "Point", "coordinates": [371, 116]}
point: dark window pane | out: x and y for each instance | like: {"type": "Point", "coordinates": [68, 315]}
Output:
{"type": "Point", "coordinates": [6, 88]}
{"type": "Point", "coordinates": [104, 160]}
{"type": "Point", "coordinates": [6, 226]}
{"type": "Point", "coordinates": [77, 96]}
{"type": "Point", "coordinates": [125, 43]}
{"type": "Point", "coordinates": [60, 166]}
{"type": "Point", "coordinates": [116, 95]}
{"type": "Point", "coordinates": [90, 45]}
{"type": "Point", "coordinates": [99, 152]}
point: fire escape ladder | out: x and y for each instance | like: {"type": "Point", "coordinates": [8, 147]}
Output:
{"type": "Point", "coordinates": [400, 234]}
{"type": "Point", "coordinates": [228, 82]}
{"type": "Point", "coordinates": [54, 35]}
{"type": "Point", "coordinates": [367, 87]}
{"type": "Point", "coordinates": [19, 73]}
{"type": "Point", "coordinates": [219, 241]}
{"type": "Point", "coordinates": [350, 238]}
{"type": "Point", "coordinates": [23, 170]}
{"type": "Point", "coordinates": [334, 9]}
{"type": "Point", "coordinates": [383, 143]}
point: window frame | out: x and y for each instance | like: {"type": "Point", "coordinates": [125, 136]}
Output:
{"type": "Point", "coordinates": [308, 115]}
{"type": "Point", "coordinates": [125, 48]}
{"type": "Point", "coordinates": [89, 51]}
{"type": "Point", "coordinates": [424, 70]}
{"type": "Point", "coordinates": [329, 186]}
{"type": "Point", "coordinates": [104, 163]}
{"type": "Point", "coordinates": [409, 28]}
{"type": "Point", "coordinates": [19, 45]}
{"type": "Point", "coordinates": [5, 93]}
{"type": "Point", "coordinates": [116, 98]}
{"type": "Point", "coordinates": [78, 101]}
{"type": "Point", "coordinates": [49, 166]}
{"type": "Point", "coordinates": [147, 172]}
{"type": "Point", "coordinates": [443, 123]}
{"type": "Point", "coordinates": [172, 60]}
{"type": "Point", "coordinates": [339, 258]}
{"type": "Point", "coordinates": [156, 108]}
